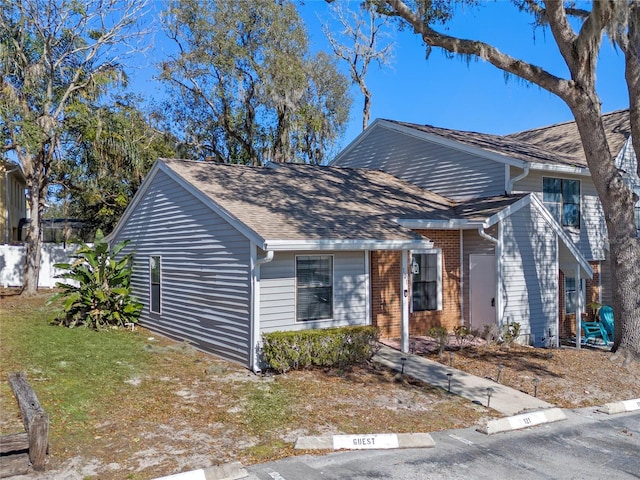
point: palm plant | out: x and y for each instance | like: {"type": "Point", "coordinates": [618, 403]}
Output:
{"type": "Point", "coordinates": [99, 295]}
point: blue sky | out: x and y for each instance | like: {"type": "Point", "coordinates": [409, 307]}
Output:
{"type": "Point", "coordinates": [452, 93]}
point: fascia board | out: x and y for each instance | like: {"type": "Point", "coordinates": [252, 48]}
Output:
{"type": "Point", "coordinates": [558, 168]}
{"type": "Point", "coordinates": [453, 224]}
{"type": "Point", "coordinates": [478, 151]}
{"type": "Point", "coordinates": [533, 199]}
{"type": "Point", "coordinates": [510, 210]}
{"type": "Point", "coordinates": [356, 141]}
{"type": "Point", "coordinates": [236, 223]}
{"type": "Point", "coordinates": [562, 235]}
{"type": "Point", "coordinates": [331, 244]}
{"type": "Point", "coordinates": [142, 190]}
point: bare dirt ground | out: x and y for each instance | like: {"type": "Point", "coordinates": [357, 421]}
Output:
{"type": "Point", "coordinates": [567, 377]}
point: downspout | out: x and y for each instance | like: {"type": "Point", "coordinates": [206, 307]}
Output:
{"type": "Point", "coordinates": [512, 181]}
{"type": "Point", "coordinates": [255, 307]}
{"type": "Point", "coordinates": [498, 247]}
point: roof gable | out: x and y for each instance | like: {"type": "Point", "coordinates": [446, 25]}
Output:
{"type": "Point", "coordinates": [554, 146]}
{"type": "Point", "coordinates": [565, 138]}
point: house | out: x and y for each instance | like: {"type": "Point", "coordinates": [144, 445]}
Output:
{"type": "Point", "coordinates": [224, 253]}
{"type": "Point", "coordinates": [13, 200]}
{"type": "Point", "coordinates": [548, 162]}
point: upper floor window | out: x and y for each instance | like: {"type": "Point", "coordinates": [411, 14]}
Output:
{"type": "Point", "coordinates": [638, 218]}
{"type": "Point", "coordinates": [314, 287]}
{"type": "Point", "coordinates": [562, 197]}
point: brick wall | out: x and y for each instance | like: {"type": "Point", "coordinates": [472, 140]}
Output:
{"type": "Point", "coordinates": [449, 317]}
{"type": "Point", "coordinates": [386, 306]}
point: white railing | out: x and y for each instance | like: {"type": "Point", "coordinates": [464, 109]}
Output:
{"type": "Point", "coordinates": [12, 258]}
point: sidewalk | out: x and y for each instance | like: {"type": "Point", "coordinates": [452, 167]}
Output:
{"type": "Point", "coordinates": [505, 400]}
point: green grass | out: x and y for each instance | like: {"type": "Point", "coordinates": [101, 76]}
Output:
{"type": "Point", "coordinates": [76, 373]}
{"type": "Point", "coordinates": [270, 407]}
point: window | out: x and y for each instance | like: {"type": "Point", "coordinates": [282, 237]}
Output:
{"type": "Point", "coordinates": [562, 197]}
{"type": "Point", "coordinates": [314, 287]}
{"type": "Point", "coordinates": [425, 289]}
{"type": "Point", "coordinates": [154, 278]}
{"type": "Point", "coordinates": [570, 294]}
{"type": "Point", "coordinates": [638, 218]}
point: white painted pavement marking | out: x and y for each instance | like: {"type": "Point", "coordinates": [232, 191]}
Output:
{"type": "Point", "coordinates": [362, 442]}
{"type": "Point", "coordinates": [630, 405]}
{"type": "Point", "coordinates": [527, 420]}
{"type": "Point", "coordinates": [460, 439]}
{"type": "Point", "coordinates": [276, 476]}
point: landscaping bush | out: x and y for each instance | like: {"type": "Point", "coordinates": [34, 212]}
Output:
{"type": "Point", "coordinates": [334, 347]}
{"type": "Point", "coordinates": [102, 297]}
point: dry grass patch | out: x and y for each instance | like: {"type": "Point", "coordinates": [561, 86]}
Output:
{"type": "Point", "coordinates": [568, 378]}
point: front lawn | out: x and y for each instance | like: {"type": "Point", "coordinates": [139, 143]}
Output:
{"type": "Point", "coordinates": [134, 405]}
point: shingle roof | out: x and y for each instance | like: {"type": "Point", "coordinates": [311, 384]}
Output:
{"type": "Point", "coordinates": [555, 144]}
{"type": "Point", "coordinates": [304, 202]}
{"type": "Point", "coordinates": [494, 143]}
{"type": "Point", "coordinates": [564, 137]}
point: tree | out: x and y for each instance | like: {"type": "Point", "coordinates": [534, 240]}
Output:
{"type": "Point", "coordinates": [53, 55]}
{"type": "Point", "coordinates": [244, 86]}
{"type": "Point", "coordinates": [115, 146]}
{"type": "Point", "coordinates": [579, 49]}
{"type": "Point", "coordinates": [358, 44]}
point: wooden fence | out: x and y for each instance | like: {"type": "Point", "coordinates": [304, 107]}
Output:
{"type": "Point", "coordinates": [19, 450]}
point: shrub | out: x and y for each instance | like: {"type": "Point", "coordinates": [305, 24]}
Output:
{"type": "Point", "coordinates": [441, 336]}
{"type": "Point", "coordinates": [463, 334]}
{"type": "Point", "coordinates": [511, 333]}
{"type": "Point", "coordinates": [332, 347]}
{"type": "Point", "coordinates": [101, 294]}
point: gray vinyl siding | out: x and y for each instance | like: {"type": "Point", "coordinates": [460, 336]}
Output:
{"type": "Point", "coordinates": [278, 292]}
{"type": "Point", "coordinates": [205, 272]}
{"type": "Point", "coordinates": [530, 274]}
{"type": "Point", "coordinates": [443, 170]}
{"type": "Point", "coordinates": [592, 235]}
{"type": "Point", "coordinates": [473, 244]}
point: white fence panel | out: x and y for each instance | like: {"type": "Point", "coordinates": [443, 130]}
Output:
{"type": "Point", "coordinates": [12, 258]}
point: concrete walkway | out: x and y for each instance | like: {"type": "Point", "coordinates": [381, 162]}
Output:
{"type": "Point", "coordinates": [505, 400]}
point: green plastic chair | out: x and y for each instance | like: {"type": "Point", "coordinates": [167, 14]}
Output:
{"type": "Point", "coordinates": [594, 330]}
{"type": "Point", "coordinates": [606, 317]}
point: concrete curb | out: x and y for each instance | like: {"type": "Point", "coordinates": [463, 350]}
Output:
{"type": "Point", "coordinates": [366, 442]}
{"type": "Point", "coordinates": [620, 407]}
{"type": "Point", "coordinates": [229, 471]}
{"type": "Point", "coordinates": [524, 420]}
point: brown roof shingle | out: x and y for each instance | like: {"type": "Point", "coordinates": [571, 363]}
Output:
{"type": "Point", "coordinates": [555, 144]}
{"type": "Point", "coordinates": [565, 138]}
{"type": "Point", "coordinates": [305, 202]}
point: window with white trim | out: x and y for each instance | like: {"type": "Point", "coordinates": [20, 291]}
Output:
{"type": "Point", "coordinates": [314, 287]}
{"type": "Point", "coordinates": [571, 295]}
{"type": "Point", "coordinates": [155, 276]}
{"type": "Point", "coordinates": [562, 197]}
{"type": "Point", "coordinates": [426, 282]}
{"type": "Point", "coordinates": [638, 218]}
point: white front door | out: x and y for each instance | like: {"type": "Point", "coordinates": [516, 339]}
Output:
{"type": "Point", "coordinates": [482, 290]}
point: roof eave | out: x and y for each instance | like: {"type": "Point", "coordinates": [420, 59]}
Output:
{"type": "Point", "coordinates": [345, 244]}
{"type": "Point", "coordinates": [452, 224]}
{"type": "Point", "coordinates": [560, 168]}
